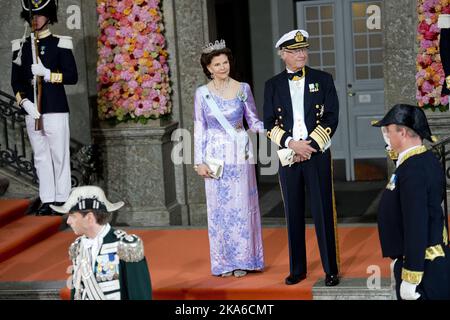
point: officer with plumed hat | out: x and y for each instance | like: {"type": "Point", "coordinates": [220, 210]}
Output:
{"type": "Point", "coordinates": [107, 264]}
{"type": "Point", "coordinates": [301, 112]}
{"type": "Point", "coordinates": [411, 223]}
{"type": "Point", "coordinates": [42, 64]}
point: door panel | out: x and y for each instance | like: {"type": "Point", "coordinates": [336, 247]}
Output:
{"type": "Point", "coordinates": [342, 44]}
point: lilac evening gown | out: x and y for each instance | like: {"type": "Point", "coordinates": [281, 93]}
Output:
{"type": "Point", "coordinates": [234, 223]}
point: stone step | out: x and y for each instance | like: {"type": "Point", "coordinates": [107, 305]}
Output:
{"type": "Point", "coordinates": [24, 232]}
{"type": "Point", "coordinates": [45, 290]}
{"type": "Point", "coordinates": [354, 289]}
{"type": "Point", "coordinates": [12, 209]}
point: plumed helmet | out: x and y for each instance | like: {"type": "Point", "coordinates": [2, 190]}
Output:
{"type": "Point", "coordinates": [87, 198]}
{"type": "Point", "coordinates": [47, 8]}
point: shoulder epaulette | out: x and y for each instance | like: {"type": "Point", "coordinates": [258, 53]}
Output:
{"type": "Point", "coordinates": [130, 248]}
{"type": "Point", "coordinates": [65, 42]}
{"type": "Point", "coordinates": [74, 248]}
{"type": "Point", "coordinates": [15, 44]}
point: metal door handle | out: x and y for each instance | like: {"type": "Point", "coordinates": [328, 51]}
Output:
{"type": "Point", "coordinates": [351, 94]}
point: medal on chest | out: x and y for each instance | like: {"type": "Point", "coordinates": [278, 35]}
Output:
{"type": "Point", "coordinates": [392, 182]}
{"type": "Point", "coordinates": [107, 267]}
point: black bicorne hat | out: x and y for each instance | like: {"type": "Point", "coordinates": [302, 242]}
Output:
{"type": "Point", "coordinates": [409, 116]}
{"type": "Point", "coordinates": [47, 8]}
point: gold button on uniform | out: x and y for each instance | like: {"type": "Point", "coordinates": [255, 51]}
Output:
{"type": "Point", "coordinates": [317, 121]}
{"type": "Point", "coordinates": [279, 109]}
{"type": "Point", "coordinates": [280, 117]}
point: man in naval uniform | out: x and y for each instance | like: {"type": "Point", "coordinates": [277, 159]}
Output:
{"type": "Point", "coordinates": [301, 112]}
{"type": "Point", "coordinates": [411, 222]}
{"type": "Point", "coordinates": [108, 264]}
{"type": "Point", "coordinates": [56, 66]}
{"type": "Point", "coordinates": [444, 49]}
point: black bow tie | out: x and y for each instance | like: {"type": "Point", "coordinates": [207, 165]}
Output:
{"type": "Point", "coordinates": [296, 75]}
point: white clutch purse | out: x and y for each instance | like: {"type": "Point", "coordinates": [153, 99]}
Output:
{"type": "Point", "coordinates": [286, 156]}
{"type": "Point", "coordinates": [215, 166]}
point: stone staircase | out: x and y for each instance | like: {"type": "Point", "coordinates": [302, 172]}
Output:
{"type": "Point", "coordinates": [355, 289]}
{"type": "Point", "coordinates": [18, 232]}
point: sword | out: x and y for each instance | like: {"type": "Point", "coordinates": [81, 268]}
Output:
{"type": "Point", "coordinates": [37, 81]}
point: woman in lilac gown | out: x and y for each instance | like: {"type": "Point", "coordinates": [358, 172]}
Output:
{"type": "Point", "coordinates": [234, 223]}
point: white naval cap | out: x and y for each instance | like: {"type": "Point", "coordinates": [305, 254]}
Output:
{"type": "Point", "coordinates": [87, 198]}
{"type": "Point", "coordinates": [293, 40]}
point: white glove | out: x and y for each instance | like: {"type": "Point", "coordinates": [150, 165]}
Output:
{"type": "Point", "coordinates": [408, 291]}
{"type": "Point", "coordinates": [30, 109]}
{"type": "Point", "coordinates": [38, 69]}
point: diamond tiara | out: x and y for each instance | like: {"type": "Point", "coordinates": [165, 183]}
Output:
{"type": "Point", "coordinates": [214, 46]}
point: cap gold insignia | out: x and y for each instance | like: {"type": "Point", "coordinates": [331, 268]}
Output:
{"type": "Point", "coordinates": [299, 37]}
{"type": "Point", "coordinates": [37, 3]}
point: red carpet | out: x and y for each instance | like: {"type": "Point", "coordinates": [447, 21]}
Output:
{"type": "Point", "coordinates": [179, 264]}
{"type": "Point", "coordinates": [11, 210]}
{"type": "Point", "coordinates": [19, 232]}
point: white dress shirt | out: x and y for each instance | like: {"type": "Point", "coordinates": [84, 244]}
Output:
{"type": "Point", "coordinates": [297, 90]}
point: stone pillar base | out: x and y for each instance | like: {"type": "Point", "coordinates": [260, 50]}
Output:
{"type": "Point", "coordinates": [137, 169]}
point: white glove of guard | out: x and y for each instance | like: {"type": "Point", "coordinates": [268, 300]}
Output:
{"type": "Point", "coordinates": [39, 70]}
{"type": "Point", "coordinates": [30, 109]}
{"type": "Point", "coordinates": [408, 291]}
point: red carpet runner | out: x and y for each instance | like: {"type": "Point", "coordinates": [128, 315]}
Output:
{"type": "Point", "coordinates": [179, 263]}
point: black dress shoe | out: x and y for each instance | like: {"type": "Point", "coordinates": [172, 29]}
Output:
{"type": "Point", "coordinates": [45, 210]}
{"type": "Point", "coordinates": [331, 280]}
{"type": "Point", "coordinates": [57, 204]}
{"type": "Point", "coordinates": [293, 279]}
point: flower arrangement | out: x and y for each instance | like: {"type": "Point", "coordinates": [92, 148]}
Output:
{"type": "Point", "coordinates": [430, 74]}
{"type": "Point", "coordinates": [132, 70]}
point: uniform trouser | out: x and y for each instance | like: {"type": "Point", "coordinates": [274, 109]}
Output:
{"type": "Point", "coordinates": [313, 178]}
{"type": "Point", "coordinates": [51, 148]}
{"type": "Point", "coordinates": [435, 284]}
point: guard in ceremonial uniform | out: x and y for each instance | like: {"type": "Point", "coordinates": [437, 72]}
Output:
{"type": "Point", "coordinates": [411, 222]}
{"type": "Point", "coordinates": [108, 264]}
{"type": "Point", "coordinates": [56, 67]}
{"type": "Point", "coordinates": [301, 112]}
{"type": "Point", "coordinates": [444, 49]}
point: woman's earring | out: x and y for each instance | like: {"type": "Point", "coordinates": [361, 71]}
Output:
{"type": "Point", "coordinates": [212, 75]}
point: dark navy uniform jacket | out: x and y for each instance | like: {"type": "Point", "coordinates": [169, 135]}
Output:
{"type": "Point", "coordinates": [321, 115]}
{"type": "Point", "coordinates": [411, 223]}
{"type": "Point", "coordinates": [410, 216]}
{"type": "Point", "coordinates": [56, 54]}
{"type": "Point", "coordinates": [321, 107]}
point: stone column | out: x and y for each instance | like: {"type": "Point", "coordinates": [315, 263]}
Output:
{"type": "Point", "coordinates": [137, 168]}
{"type": "Point", "coordinates": [400, 50]}
{"type": "Point", "coordinates": [186, 24]}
